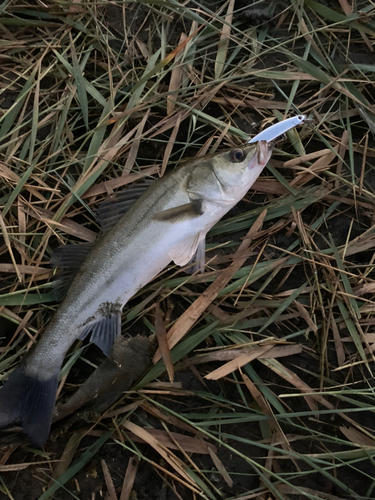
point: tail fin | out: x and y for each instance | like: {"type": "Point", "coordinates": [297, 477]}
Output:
{"type": "Point", "coordinates": [28, 401]}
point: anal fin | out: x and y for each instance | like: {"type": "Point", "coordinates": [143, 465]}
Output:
{"type": "Point", "coordinates": [104, 331]}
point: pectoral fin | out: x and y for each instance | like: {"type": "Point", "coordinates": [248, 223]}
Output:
{"type": "Point", "coordinates": [183, 212]}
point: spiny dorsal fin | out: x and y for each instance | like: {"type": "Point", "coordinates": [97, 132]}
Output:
{"type": "Point", "coordinates": [111, 211]}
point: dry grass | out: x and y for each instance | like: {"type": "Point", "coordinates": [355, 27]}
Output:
{"type": "Point", "coordinates": [95, 96]}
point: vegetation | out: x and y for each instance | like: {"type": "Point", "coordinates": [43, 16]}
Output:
{"type": "Point", "coordinates": [273, 395]}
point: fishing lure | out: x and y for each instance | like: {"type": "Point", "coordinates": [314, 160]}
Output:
{"type": "Point", "coordinates": [280, 128]}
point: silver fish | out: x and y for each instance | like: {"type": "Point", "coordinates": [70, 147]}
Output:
{"type": "Point", "coordinates": [127, 361]}
{"type": "Point", "coordinates": [169, 222]}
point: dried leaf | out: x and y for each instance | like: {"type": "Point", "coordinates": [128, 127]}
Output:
{"type": "Point", "coordinates": [357, 437]}
{"type": "Point", "coordinates": [161, 336]}
{"type": "Point", "coordinates": [108, 481]}
{"type": "Point", "coordinates": [129, 478]}
{"type": "Point", "coordinates": [237, 363]}
{"type": "Point", "coordinates": [220, 467]}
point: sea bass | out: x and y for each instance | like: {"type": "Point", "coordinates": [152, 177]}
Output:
{"type": "Point", "coordinates": [169, 222]}
{"type": "Point", "coordinates": [128, 360]}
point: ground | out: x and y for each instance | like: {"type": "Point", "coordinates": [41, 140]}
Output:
{"type": "Point", "coordinates": [95, 97]}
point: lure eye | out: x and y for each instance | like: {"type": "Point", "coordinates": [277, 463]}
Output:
{"type": "Point", "coordinates": [236, 155]}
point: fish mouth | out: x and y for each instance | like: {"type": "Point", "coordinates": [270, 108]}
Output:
{"type": "Point", "coordinates": [264, 151]}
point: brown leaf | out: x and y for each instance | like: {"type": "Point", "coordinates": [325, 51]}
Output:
{"type": "Point", "coordinates": [305, 316]}
{"type": "Point", "coordinates": [237, 363]}
{"type": "Point", "coordinates": [130, 474]}
{"type": "Point", "coordinates": [256, 394]}
{"type": "Point", "coordinates": [67, 456]}
{"type": "Point", "coordinates": [357, 437]}
{"type": "Point", "coordinates": [269, 186]}
{"type": "Point", "coordinates": [108, 481]}
{"type": "Point", "coordinates": [164, 452]}
{"type": "Point", "coordinates": [16, 467]}
{"type": "Point", "coordinates": [9, 268]}
{"type": "Point", "coordinates": [168, 149]}
{"type": "Point", "coordinates": [340, 353]}
{"type": "Point", "coordinates": [229, 354]}
{"type": "Point", "coordinates": [170, 419]}
{"type": "Point", "coordinates": [175, 81]}
{"type": "Point", "coordinates": [220, 467]}
{"type": "Point", "coordinates": [307, 157]}
{"type": "Point", "coordinates": [176, 441]}
{"type": "Point", "coordinates": [66, 225]}
{"type": "Point", "coordinates": [348, 9]}
{"type": "Point", "coordinates": [112, 184]}
{"type": "Point", "coordinates": [306, 174]}
{"type": "Point", "coordinates": [295, 380]}
{"type": "Point", "coordinates": [8, 174]}
{"type": "Point", "coordinates": [161, 336]}
{"type": "Point", "coordinates": [133, 152]}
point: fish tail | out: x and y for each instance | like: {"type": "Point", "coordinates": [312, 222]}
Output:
{"type": "Point", "coordinates": [28, 401]}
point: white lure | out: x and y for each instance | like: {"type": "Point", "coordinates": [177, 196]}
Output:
{"type": "Point", "coordinates": [275, 131]}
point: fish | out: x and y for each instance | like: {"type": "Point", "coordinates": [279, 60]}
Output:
{"type": "Point", "coordinates": [168, 222]}
{"type": "Point", "coordinates": [128, 360]}
{"type": "Point", "coordinates": [145, 229]}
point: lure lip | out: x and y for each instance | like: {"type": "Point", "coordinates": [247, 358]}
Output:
{"type": "Point", "coordinates": [280, 128]}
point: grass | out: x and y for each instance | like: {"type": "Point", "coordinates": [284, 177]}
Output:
{"type": "Point", "coordinates": [276, 357]}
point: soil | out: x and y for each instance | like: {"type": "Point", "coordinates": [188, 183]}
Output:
{"type": "Point", "coordinates": [151, 482]}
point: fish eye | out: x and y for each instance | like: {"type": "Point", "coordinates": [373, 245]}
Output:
{"type": "Point", "coordinates": [236, 155]}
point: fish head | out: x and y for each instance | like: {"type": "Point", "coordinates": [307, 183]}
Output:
{"type": "Point", "coordinates": [240, 167]}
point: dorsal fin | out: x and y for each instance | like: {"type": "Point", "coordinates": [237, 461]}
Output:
{"type": "Point", "coordinates": [111, 211]}
{"type": "Point", "coordinates": [68, 258]}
